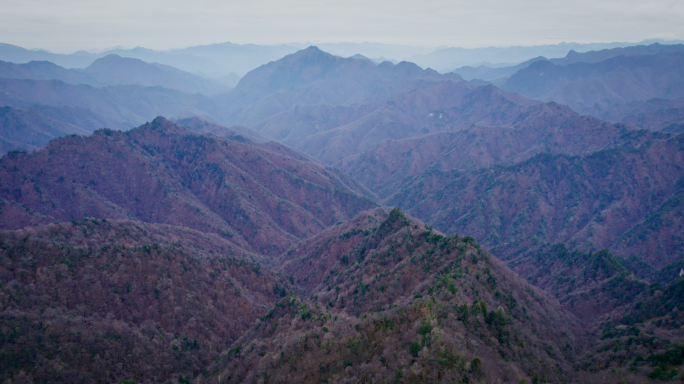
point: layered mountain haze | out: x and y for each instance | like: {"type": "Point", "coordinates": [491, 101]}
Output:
{"type": "Point", "coordinates": [125, 106]}
{"type": "Point", "coordinates": [396, 101]}
{"type": "Point", "coordinates": [312, 76]}
{"type": "Point", "coordinates": [602, 85]}
{"type": "Point", "coordinates": [333, 134]}
{"type": "Point", "coordinates": [250, 236]}
{"type": "Point", "coordinates": [115, 70]}
{"type": "Point", "coordinates": [446, 59]}
{"type": "Point", "coordinates": [605, 54]}
{"type": "Point", "coordinates": [213, 61]}
{"type": "Point", "coordinates": [499, 74]}
{"type": "Point", "coordinates": [113, 92]}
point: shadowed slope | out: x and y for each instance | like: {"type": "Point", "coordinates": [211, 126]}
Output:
{"type": "Point", "coordinates": [589, 202]}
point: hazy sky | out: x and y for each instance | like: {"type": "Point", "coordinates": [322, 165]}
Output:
{"type": "Point", "coordinates": [67, 25]}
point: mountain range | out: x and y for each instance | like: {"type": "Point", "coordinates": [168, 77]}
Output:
{"type": "Point", "coordinates": [251, 237]}
{"type": "Point", "coordinates": [223, 59]}
{"type": "Point", "coordinates": [447, 59]}
{"type": "Point", "coordinates": [617, 80]}
{"type": "Point", "coordinates": [113, 70]}
{"type": "Point", "coordinates": [499, 74]}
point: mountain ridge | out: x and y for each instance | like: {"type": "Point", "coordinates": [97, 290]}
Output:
{"type": "Point", "coordinates": [263, 199]}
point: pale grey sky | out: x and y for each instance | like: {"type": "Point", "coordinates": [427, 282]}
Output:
{"type": "Point", "coordinates": [68, 25]}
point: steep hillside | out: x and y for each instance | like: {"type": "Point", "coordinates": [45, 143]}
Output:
{"type": "Point", "coordinates": [546, 128]}
{"type": "Point", "coordinates": [263, 197]}
{"type": "Point", "coordinates": [591, 285]}
{"type": "Point", "coordinates": [647, 338]}
{"type": "Point", "coordinates": [104, 301]}
{"type": "Point", "coordinates": [399, 302]}
{"type": "Point", "coordinates": [617, 80]}
{"type": "Point", "coordinates": [660, 232]}
{"type": "Point", "coordinates": [588, 202]}
{"type": "Point", "coordinates": [637, 324]}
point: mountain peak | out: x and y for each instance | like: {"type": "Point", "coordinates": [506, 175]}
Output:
{"type": "Point", "coordinates": [109, 61]}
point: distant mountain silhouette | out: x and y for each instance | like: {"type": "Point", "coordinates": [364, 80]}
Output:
{"type": "Point", "coordinates": [332, 108]}
{"type": "Point", "coordinates": [418, 108]}
{"type": "Point", "coordinates": [214, 60]}
{"type": "Point", "coordinates": [130, 105]}
{"type": "Point", "coordinates": [117, 70]}
{"type": "Point", "coordinates": [114, 70]}
{"type": "Point", "coordinates": [311, 76]}
{"type": "Point", "coordinates": [447, 59]}
{"type": "Point", "coordinates": [42, 70]}
{"type": "Point", "coordinates": [15, 54]}
{"type": "Point", "coordinates": [495, 75]}
{"type": "Point", "coordinates": [498, 75]}
{"type": "Point", "coordinates": [605, 54]}
{"type": "Point", "coordinates": [587, 86]}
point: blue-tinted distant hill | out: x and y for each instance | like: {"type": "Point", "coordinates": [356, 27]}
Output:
{"type": "Point", "coordinates": [36, 111]}
{"type": "Point", "coordinates": [129, 104]}
{"type": "Point", "coordinates": [213, 60]}
{"type": "Point", "coordinates": [312, 76]}
{"type": "Point", "coordinates": [498, 74]}
{"type": "Point", "coordinates": [115, 70]}
{"type": "Point", "coordinates": [446, 59]}
{"type": "Point", "coordinates": [603, 87]}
